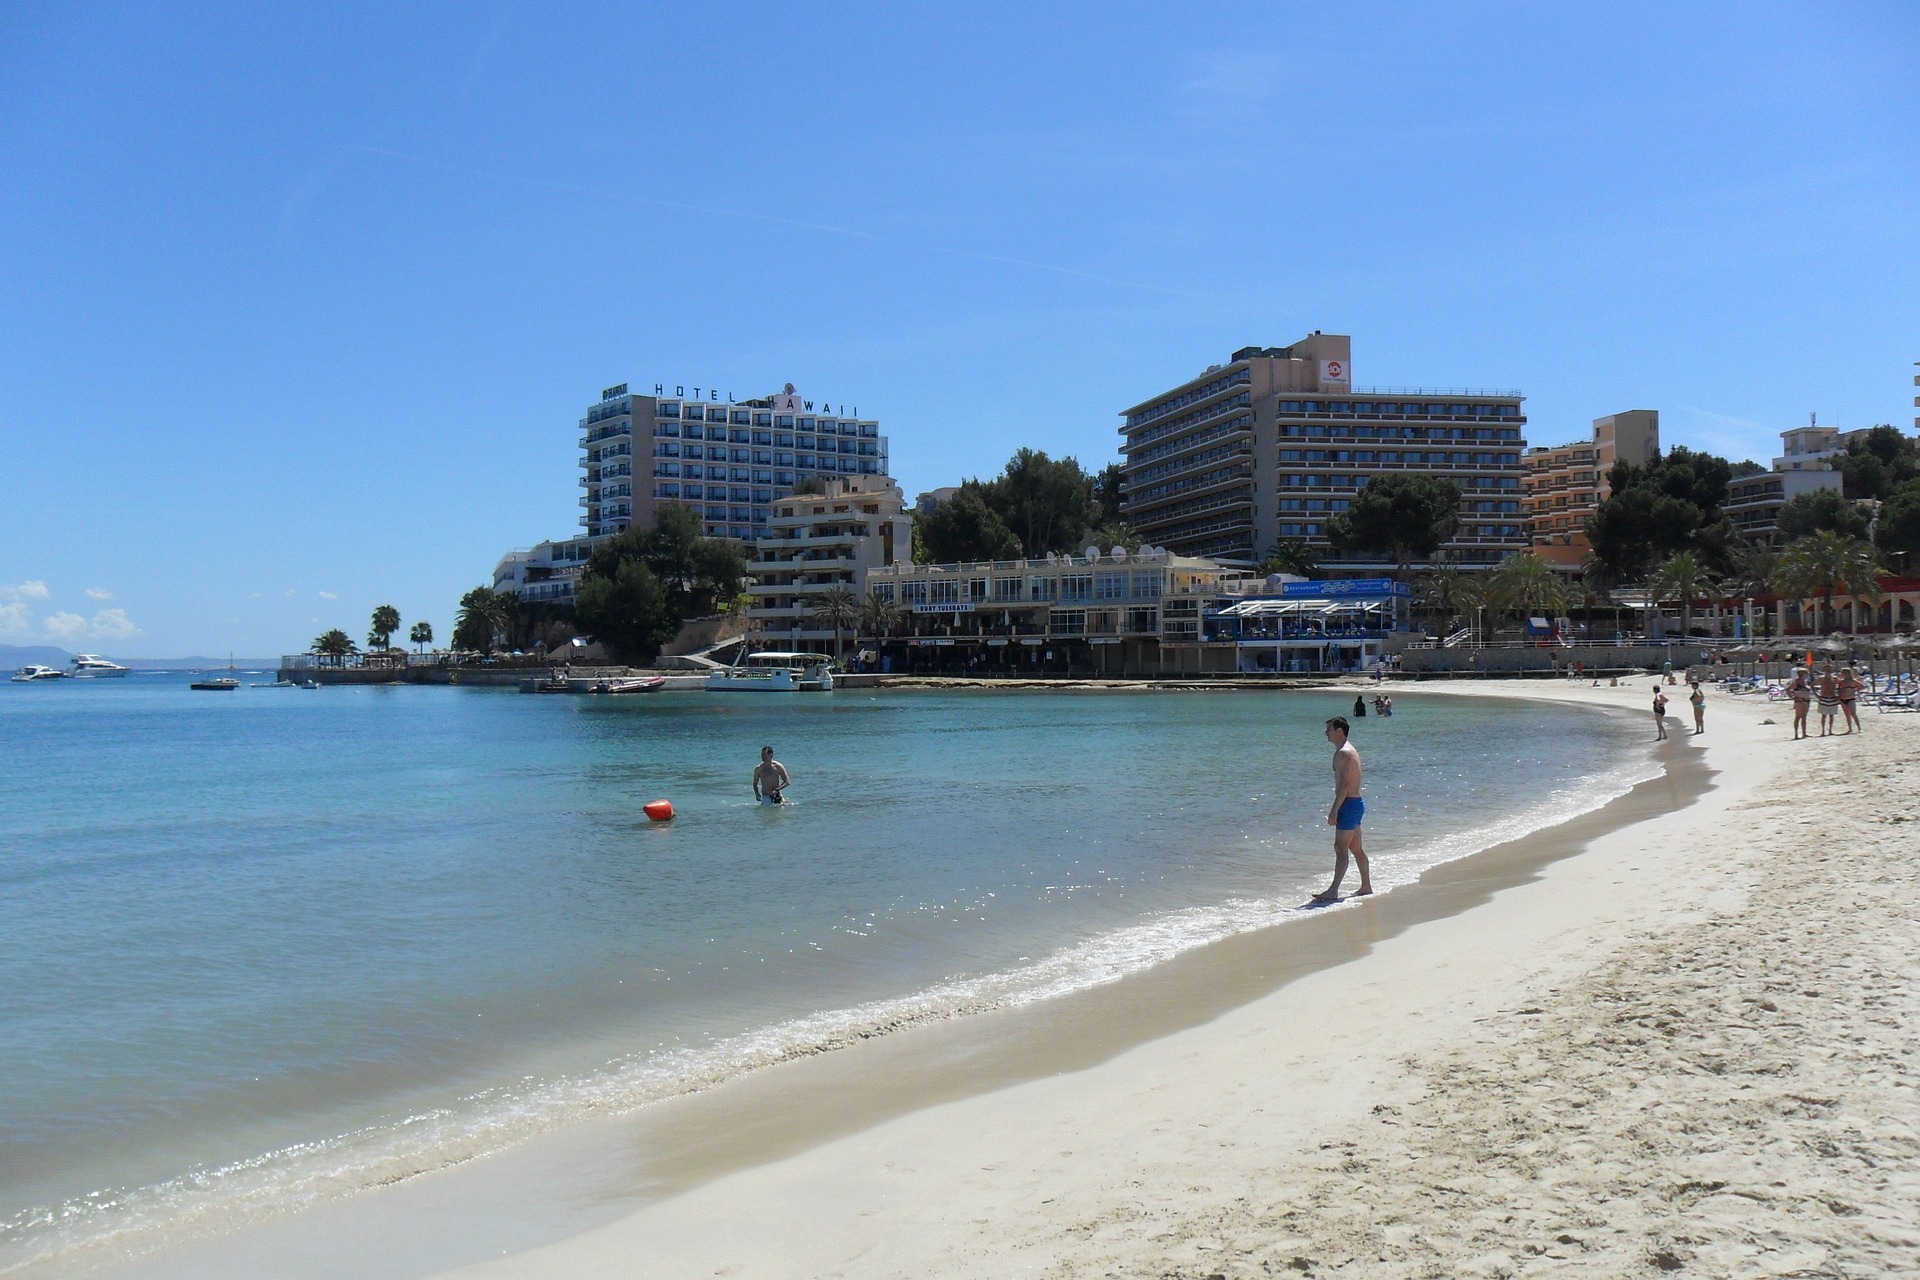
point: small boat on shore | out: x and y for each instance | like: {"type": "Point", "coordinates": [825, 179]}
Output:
{"type": "Point", "coordinates": [34, 671]}
{"type": "Point", "coordinates": [219, 684]}
{"type": "Point", "coordinates": [638, 684]}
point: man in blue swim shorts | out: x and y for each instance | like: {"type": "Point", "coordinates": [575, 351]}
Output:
{"type": "Point", "coordinates": [1346, 814]}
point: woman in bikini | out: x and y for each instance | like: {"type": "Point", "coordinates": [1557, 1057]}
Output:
{"type": "Point", "coordinates": [1849, 688]}
{"type": "Point", "coordinates": [1801, 691]}
{"type": "Point", "coordinates": [1697, 696]}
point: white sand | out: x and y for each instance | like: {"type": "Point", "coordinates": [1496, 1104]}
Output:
{"type": "Point", "coordinates": [1691, 1047]}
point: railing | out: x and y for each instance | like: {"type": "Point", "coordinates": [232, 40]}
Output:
{"type": "Point", "coordinates": [1509, 393]}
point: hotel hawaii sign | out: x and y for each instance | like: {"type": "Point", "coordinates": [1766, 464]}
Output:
{"type": "Point", "coordinates": [786, 401]}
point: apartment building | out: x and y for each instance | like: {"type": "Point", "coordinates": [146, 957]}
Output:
{"type": "Point", "coordinates": [1275, 442]}
{"type": "Point", "coordinates": [1753, 502]}
{"type": "Point", "coordinates": [727, 461]}
{"type": "Point", "coordinates": [1564, 484]}
{"type": "Point", "coordinates": [816, 542]}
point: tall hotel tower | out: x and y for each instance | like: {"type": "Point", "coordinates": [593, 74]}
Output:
{"type": "Point", "coordinates": [1276, 441]}
{"type": "Point", "coordinates": [728, 462]}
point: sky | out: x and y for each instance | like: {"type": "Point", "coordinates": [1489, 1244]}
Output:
{"type": "Point", "coordinates": [300, 305]}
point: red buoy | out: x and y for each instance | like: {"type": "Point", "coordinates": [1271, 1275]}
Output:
{"type": "Point", "coordinates": [659, 810]}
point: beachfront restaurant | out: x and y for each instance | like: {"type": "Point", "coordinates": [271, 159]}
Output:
{"type": "Point", "coordinates": [1338, 625]}
{"type": "Point", "coordinates": [1113, 613]}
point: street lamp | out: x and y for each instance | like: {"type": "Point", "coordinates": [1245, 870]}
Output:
{"type": "Point", "coordinates": [1480, 619]}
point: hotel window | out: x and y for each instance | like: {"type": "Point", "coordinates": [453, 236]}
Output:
{"type": "Point", "coordinates": [976, 589]}
{"type": "Point", "coordinates": [1289, 530]}
{"type": "Point", "coordinates": [740, 417]}
{"type": "Point", "coordinates": [762, 419]}
{"type": "Point", "coordinates": [763, 437]}
{"type": "Point", "coordinates": [666, 411]}
{"type": "Point", "coordinates": [1110, 586]}
{"type": "Point", "coordinates": [717, 513]}
{"type": "Point", "coordinates": [806, 424]}
{"type": "Point", "coordinates": [783, 477]}
{"type": "Point", "coordinates": [1076, 586]}
{"type": "Point", "coordinates": [914, 592]}
{"type": "Point", "coordinates": [783, 439]}
{"type": "Point", "coordinates": [783, 420]}
{"type": "Point", "coordinates": [806, 460]}
{"type": "Point", "coordinates": [763, 457]}
{"type": "Point", "coordinates": [762, 495]}
{"type": "Point", "coordinates": [1043, 588]}
{"type": "Point", "coordinates": [806, 442]}
{"type": "Point", "coordinates": [882, 591]}
{"type": "Point", "coordinates": [667, 469]}
{"type": "Point", "coordinates": [1146, 586]}
{"type": "Point", "coordinates": [666, 491]}
{"type": "Point", "coordinates": [666, 428]}
{"type": "Point", "coordinates": [1069, 622]}
{"type": "Point", "coordinates": [1006, 590]}
{"type": "Point", "coordinates": [944, 591]}
{"type": "Point", "coordinates": [1143, 620]}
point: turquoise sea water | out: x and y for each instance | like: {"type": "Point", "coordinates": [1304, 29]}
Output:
{"type": "Point", "coordinates": [263, 948]}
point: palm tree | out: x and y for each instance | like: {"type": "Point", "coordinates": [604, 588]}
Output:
{"type": "Point", "coordinates": [1448, 590]}
{"type": "Point", "coordinates": [386, 621]}
{"type": "Point", "coordinates": [421, 635]}
{"type": "Point", "coordinates": [1291, 555]}
{"type": "Point", "coordinates": [1527, 586]}
{"type": "Point", "coordinates": [484, 613]}
{"type": "Point", "coordinates": [838, 608]}
{"type": "Point", "coordinates": [1681, 576]}
{"type": "Point", "coordinates": [335, 644]}
{"type": "Point", "coordinates": [1824, 564]}
{"type": "Point", "coordinates": [879, 615]}
{"type": "Point", "coordinates": [1596, 588]}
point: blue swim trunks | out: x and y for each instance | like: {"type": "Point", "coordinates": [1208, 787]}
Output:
{"type": "Point", "coordinates": [1352, 811]}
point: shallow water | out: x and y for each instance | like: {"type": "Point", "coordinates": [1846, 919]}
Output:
{"type": "Point", "coordinates": [268, 947]}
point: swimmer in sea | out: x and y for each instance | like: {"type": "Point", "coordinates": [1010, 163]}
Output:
{"type": "Point", "coordinates": [1346, 814]}
{"type": "Point", "coordinates": [770, 779]}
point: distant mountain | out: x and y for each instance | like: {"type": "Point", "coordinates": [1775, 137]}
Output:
{"type": "Point", "coordinates": [14, 656]}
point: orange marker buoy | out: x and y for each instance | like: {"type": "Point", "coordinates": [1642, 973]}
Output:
{"type": "Point", "coordinates": [659, 810]}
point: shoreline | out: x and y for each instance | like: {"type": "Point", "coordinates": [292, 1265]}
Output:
{"type": "Point", "coordinates": [1687, 1045]}
{"type": "Point", "coordinates": [776, 1113]}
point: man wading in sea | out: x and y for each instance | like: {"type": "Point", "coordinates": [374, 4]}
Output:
{"type": "Point", "coordinates": [770, 779]}
{"type": "Point", "coordinates": [1345, 815]}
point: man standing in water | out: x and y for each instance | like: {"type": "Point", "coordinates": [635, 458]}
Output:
{"type": "Point", "coordinates": [1345, 815]}
{"type": "Point", "coordinates": [770, 779]}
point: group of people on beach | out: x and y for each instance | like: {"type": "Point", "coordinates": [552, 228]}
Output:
{"type": "Point", "coordinates": [1835, 691]}
{"type": "Point", "coordinates": [1696, 697]}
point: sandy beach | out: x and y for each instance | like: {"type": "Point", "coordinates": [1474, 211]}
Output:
{"type": "Point", "coordinates": [1687, 1047]}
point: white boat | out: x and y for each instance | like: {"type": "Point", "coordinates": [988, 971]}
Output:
{"type": "Point", "coordinates": [773, 673]}
{"type": "Point", "coordinates": [91, 666]}
{"type": "Point", "coordinates": [36, 672]}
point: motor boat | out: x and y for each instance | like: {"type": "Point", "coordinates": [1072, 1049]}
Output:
{"type": "Point", "coordinates": [91, 666]}
{"type": "Point", "coordinates": [637, 684]}
{"type": "Point", "coordinates": [773, 673]}
{"type": "Point", "coordinates": [36, 672]}
{"type": "Point", "coordinates": [219, 684]}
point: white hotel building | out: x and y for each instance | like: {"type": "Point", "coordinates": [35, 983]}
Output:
{"type": "Point", "coordinates": [728, 461]}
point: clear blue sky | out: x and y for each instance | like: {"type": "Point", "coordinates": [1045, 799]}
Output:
{"type": "Point", "coordinates": [299, 305]}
